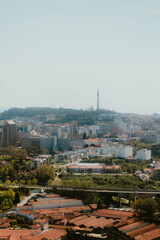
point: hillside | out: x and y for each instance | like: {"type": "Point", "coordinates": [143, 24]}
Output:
{"type": "Point", "coordinates": [62, 114]}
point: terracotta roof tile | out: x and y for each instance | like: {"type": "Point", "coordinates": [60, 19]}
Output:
{"type": "Point", "coordinates": [142, 230]}
{"type": "Point", "coordinates": [74, 220]}
{"type": "Point", "coordinates": [108, 213]}
{"type": "Point", "coordinates": [130, 226]}
{"type": "Point", "coordinates": [154, 234]}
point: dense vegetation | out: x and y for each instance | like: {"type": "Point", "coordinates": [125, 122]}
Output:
{"type": "Point", "coordinates": [17, 221]}
{"type": "Point", "coordinates": [148, 209]}
{"type": "Point", "coordinates": [103, 181]}
{"type": "Point", "coordinates": [15, 168]}
{"type": "Point", "coordinates": [8, 198]}
{"type": "Point", "coordinates": [156, 150]}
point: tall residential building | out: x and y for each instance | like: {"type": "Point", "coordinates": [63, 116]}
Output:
{"type": "Point", "coordinates": [9, 134]}
{"type": "Point", "coordinates": [144, 154]}
{"type": "Point", "coordinates": [98, 99]}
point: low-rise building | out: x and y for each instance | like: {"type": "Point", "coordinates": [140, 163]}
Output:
{"type": "Point", "coordinates": [155, 172]}
{"type": "Point", "coordinates": [26, 214]}
{"type": "Point", "coordinates": [40, 160]}
{"type": "Point", "coordinates": [87, 167]}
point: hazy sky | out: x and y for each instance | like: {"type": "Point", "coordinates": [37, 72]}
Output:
{"type": "Point", "coordinates": [55, 52]}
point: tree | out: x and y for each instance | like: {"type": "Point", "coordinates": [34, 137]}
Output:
{"type": "Point", "coordinates": [16, 166]}
{"type": "Point", "coordinates": [34, 181]}
{"type": "Point", "coordinates": [44, 151]}
{"type": "Point", "coordinates": [45, 173]}
{"type": "Point", "coordinates": [86, 145]}
{"type": "Point", "coordinates": [13, 222]}
{"type": "Point", "coordinates": [72, 171]}
{"type": "Point", "coordinates": [5, 204]}
{"type": "Point", "coordinates": [84, 135]}
{"type": "Point", "coordinates": [49, 182]}
{"type": "Point", "coordinates": [145, 208]}
{"type": "Point", "coordinates": [99, 203]}
{"type": "Point", "coordinates": [7, 181]}
{"type": "Point", "coordinates": [29, 183]}
{"type": "Point", "coordinates": [21, 182]}
{"type": "Point", "coordinates": [10, 203]}
{"type": "Point", "coordinates": [15, 182]}
{"type": "Point", "coordinates": [10, 194]}
{"type": "Point", "coordinates": [17, 197]}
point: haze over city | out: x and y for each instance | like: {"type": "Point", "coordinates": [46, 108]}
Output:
{"type": "Point", "coordinates": [55, 53]}
{"type": "Point", "coordinates": [79, 120]}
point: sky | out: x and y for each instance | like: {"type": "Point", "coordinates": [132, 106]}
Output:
{"type": "Point", "coordinates": [55, 53]}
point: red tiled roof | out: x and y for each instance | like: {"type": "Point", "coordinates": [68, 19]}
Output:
{"type": "Point", "coordinates": [109, 222]}
{"type": "Point", "coordinates": [124, 221]}
{"type": "Point", "coordinates": [25, 211]}
{"type": "Point", "coordinates": [52, 195]}
{"type": "Point", "coordinates": [86, 222]}
{"type": "Point", "coordinates": [16, 234]}
{"type": "Point", "coordinates": [57, 216]}
{"type": "Point", "coordinates": [93, 206]}
{"type": "Point", "coordinates": [51, 234]}
{"type": "Point", "coordinates": [62, 227]}
{"type": "Point", "coordinates": [74, 220]}
{"type": "Point", "coordinates": [108, 213]}
{"type": "Point", "coordinates": [36, 226]}
{"type": "Point", "coordinates": [101, 222]}
{"type": "Point", "coordinates": [129, 226]}
{"type": "Point", "coordinates": [41, 221]}
{"type": "Point", "coordinates": [142, 230]}
{"type": "Point", "coordinates": [65, 210]}
{"type": "Point", "coordinates": [78, 229]}
{"type": "Point", "coordinates": [153, 234]}
{"type": "Point", "coordinates": [44, 202]}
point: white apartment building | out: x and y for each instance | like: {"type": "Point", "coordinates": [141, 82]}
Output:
{"type": "Point", "coordinates": [144, 154]}
{"type": "Point", "coordinates": [94, 129]}
{"type": "Point", "coordinates": [121, 152]}
{"type": "Point", "coordinates": [124, 152]}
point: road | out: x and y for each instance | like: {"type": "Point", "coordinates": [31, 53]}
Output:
{"type": "Point", "coordinates": [25, 200]}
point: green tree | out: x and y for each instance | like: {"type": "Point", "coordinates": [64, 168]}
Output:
{"type": "Point", "coordinates": [84, 135]}
{"type": "Point", "coordinates": [99, 203]}
{"type": "Point", "coordinates": [16, 166]}
{"type": "Point", "coordinates": [34, 181]}
{"type": "Point", "coordinates": [21, 182]}
{"type": "Point", "coordinates": [6, 203]}
{"type": "Point", "coordinates": [145, 208]}
{"type": "Point", "coordinates": [10, 194]}
{"type": "Point", "coordinates": [7, 181]}
{"type": "Point", "coordinates": [13, 222]}
{"type": "Point", "coordinates": [17, 197]}
{"type": "Point", "coordinates": [49, 182]}
{"type": "Point", "coordinates": [45, 173]}
{"type": "Point", "coordinates": [29, 183]}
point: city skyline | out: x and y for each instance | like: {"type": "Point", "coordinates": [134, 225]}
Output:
{"type": "Point", "coordinates": [52, 54]}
